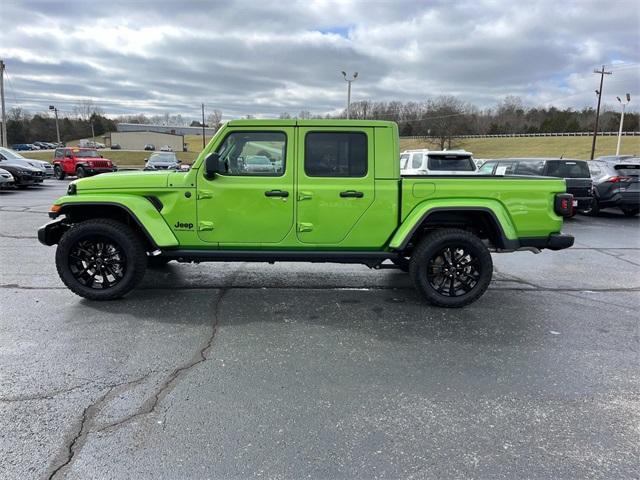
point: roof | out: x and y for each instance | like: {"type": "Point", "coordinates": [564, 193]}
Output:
{"type": "Point", "coordinates": [309, 123]}
{"type": "Point", "coordinates": [438, 152]}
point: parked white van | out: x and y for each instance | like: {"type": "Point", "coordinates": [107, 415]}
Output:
{"type": "Point", "coordinates": [437, 162]}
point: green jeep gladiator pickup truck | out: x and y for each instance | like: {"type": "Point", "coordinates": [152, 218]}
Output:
{"type": "Point", "coordinates": [302, 191]}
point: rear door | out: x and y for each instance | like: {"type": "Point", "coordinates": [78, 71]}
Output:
{"type": "Point", "coordinates": [335, 181]}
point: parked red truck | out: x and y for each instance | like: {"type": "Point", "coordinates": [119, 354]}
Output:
{"type": "Point", "coordinates": [80, 162]}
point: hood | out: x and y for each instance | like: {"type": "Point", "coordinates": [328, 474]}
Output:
{"type": "Point", "coordinates": [123, 180]}
{"type": "Point", "coordinates": [17, 163]}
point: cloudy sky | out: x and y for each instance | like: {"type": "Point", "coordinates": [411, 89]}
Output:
{"type": "Point", "coordinates": [265, 57]}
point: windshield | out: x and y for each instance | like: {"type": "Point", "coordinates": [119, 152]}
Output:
{"type": "Point", "coordinates": [87, 153]}
{"type": "Point", "coordinates": [568, 169]}
{"type": "Point", "coordinates": [162, 158]}
{"type": "Point", "coordinates": [10, 154]}
{"type": "Point", "coordinates": [455, 163]}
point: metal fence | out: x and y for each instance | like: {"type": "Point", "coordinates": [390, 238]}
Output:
{"type": "Point", "coordinates": [509, 135]}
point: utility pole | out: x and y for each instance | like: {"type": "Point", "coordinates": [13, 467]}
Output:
{"type": "Point", "coordinates": [4, 115]}
{"type": "Point", "coordinates": [349, 81]}
{"type": "Point", "coordinates": [55, 111]}
{"type": "Point", "coordinates": [599, 93]}
{"type": "Point", "coordinates": [621, 121]}
{"type": "Point", "coordinates": [93, 134]}
{"type": "Point", "coordinates": [203, 141]}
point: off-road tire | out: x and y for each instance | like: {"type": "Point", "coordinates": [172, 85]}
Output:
{"type": "Point", "coordinates": [58, 172]}
{"type": "Point", "coordinates": [430, 248]}
{"type": "Point", "coordinates": [123, 236]}
{"type": "Point", "coordinates": [630, 212]}
{"type": "Point", "coordinates": [80, 172]}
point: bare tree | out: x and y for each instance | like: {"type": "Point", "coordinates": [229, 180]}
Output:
{"type": "Point", "coordinates": [85, 109]}
{"type": "Point", "coordinates": [444, 119]}
{"type": "Point", "coordinates": [214, 119]}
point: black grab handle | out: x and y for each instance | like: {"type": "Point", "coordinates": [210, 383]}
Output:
{"type": "Point", "coordinates": [351, 194]}
{"type": "Point", "coordinates": [276, 193]}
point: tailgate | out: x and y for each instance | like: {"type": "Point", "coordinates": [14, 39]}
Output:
{"type": "Point", "coordinates": [579, 187]}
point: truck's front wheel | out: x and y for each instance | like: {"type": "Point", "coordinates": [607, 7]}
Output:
{"type": "Point", "coordinates": [451, 268]}
{"type": "Point", "coordinates": [58, 172]}
{"type": "Point", "coordinates": [100, 259]}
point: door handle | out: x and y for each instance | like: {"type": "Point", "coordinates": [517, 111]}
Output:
{"type": "Point", "coordinates": [276, 193]}
{"type": "Point", "coordinates": [351, 194]}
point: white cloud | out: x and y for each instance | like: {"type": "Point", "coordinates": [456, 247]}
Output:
{"type": "Point", "coordinates": [263, 58]}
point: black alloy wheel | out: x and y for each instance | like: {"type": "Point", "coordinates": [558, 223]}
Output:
{"type": "Point", "coordinates": [97, 262]}
{"type": "Point", "coordinates": [453, 272]}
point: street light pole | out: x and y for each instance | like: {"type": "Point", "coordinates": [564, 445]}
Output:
{"type": "Point", "coordinates": [621, 121]}
{"type": "Point", "coordinates": [4, 115]}
{"type": "Point", "coordinates": [349, 80]}
{"type": "Point", "coordinates": [55, 111]}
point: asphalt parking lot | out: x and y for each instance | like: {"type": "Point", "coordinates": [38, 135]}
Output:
{"type": "Point", "coordinates": [321, 371]}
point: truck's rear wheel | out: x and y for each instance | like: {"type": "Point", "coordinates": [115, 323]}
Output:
{"type": "Point", "coordinates": [58, 172]}
{"type": "Point", "coordinates": [451, 268]}
{"type": "Point", "coordinates": [100, 259]}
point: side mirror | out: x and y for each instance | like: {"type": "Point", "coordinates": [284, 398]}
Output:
{"type": "Point", "coordinates": [100, 156]}
{"type": "Point", "coordinates": [211, 165]}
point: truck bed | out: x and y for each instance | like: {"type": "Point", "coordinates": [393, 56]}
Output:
{"type": "Point", "coordinates": [524, 203]}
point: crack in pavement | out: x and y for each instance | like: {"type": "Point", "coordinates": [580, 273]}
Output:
{"type": "Point", "coordinates": [602, 250]}
{"type": "Point", "coordinates": [87, 421]}
{"type": "Point", "coordinates": [150, 405]}
{"type": "Point", "coordinates": [83, 429]}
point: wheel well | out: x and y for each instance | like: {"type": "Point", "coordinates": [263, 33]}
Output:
{"type": "Point", "coordinates": [482, 223]}
{"type": "Point", "coordinates": [80, 213]}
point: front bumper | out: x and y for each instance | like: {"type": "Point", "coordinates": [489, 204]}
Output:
{"type": "Point", "coordinates": [50, 233]}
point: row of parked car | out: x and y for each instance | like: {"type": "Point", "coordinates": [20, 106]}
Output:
{"type": "Point", "coordinates": [21, 147]}
{"type": "Point", "coordinates": [609, 181]}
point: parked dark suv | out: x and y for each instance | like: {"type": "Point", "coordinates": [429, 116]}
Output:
{"type": "Point", "coordinates": [616, 184]}
{"type": "Point", "coordinates": [575, 173]}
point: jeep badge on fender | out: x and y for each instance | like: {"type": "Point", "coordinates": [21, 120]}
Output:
{"type": "Point", "coordinates": [303, 190]}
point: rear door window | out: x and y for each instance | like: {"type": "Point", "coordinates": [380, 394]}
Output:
{"type": "Point", "coordinates": [530, 167]}
{"type": "Point", "coordinates": [457, 163]}
{"type": "Point", "coordinates": [504, 168]}
{"type": "Point", "coordinates": [568, 169]}
{"type": "Point", "coordinates": [336, 154]}
{"type": "Point", "coordinates": [416, 160]}
{"type": "Point", "coordinates": [487, 168]}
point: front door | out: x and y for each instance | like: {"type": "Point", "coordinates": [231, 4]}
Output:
{"type": "Point", "coordinates": [335, 182]}
{"type": "Point", "coordinates": [252, 202]}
